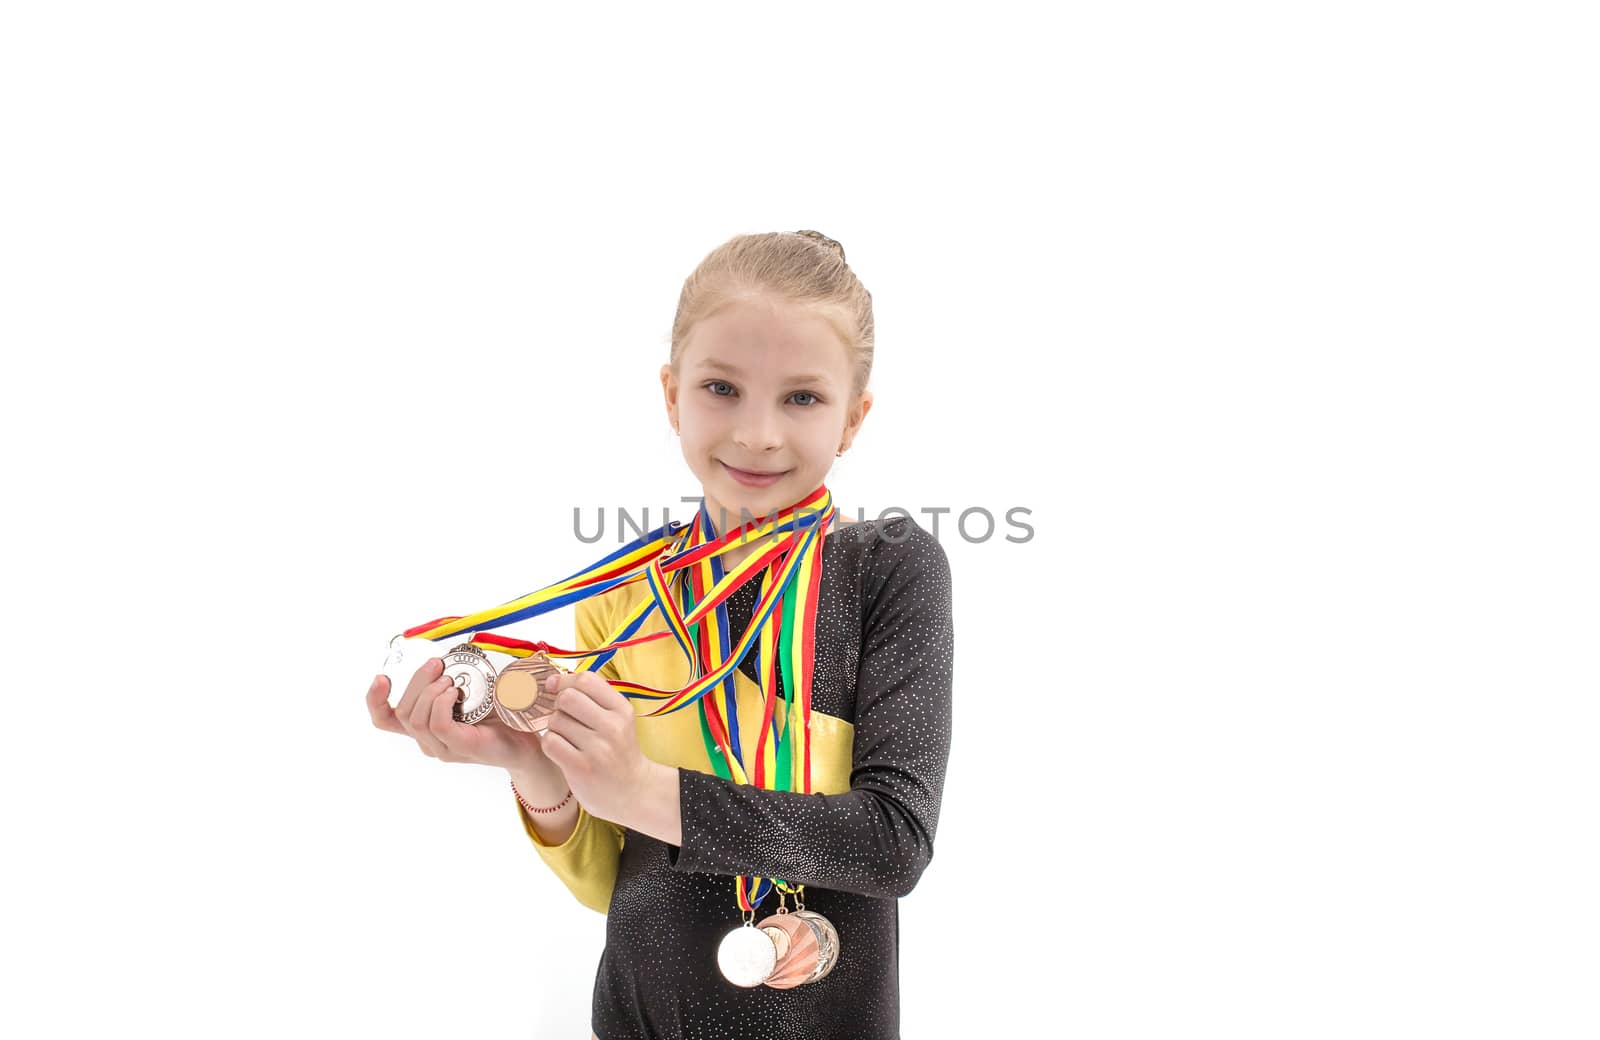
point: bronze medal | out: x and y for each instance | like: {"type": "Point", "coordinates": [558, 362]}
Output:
{"type": "Point", "coordinates": [780, 940]}
{"type": "Point", "coordinates": [520, 699]}
{"type": "Point", "coordinates": [813, 948]}
{"type": "Point", "coordinates": [828, 938]}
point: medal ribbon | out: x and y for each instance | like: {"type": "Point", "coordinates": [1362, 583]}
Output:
{"type": "Point", "coordinates": [789, 594]}
{"type": "Point", "coordinates": [650, 556]}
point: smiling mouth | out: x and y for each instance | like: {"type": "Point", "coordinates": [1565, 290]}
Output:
{"type": "Point", "coordinates": [752, 474]}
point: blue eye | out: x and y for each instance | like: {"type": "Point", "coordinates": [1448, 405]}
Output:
{"type": "Point", "coordinates": [712, 386]}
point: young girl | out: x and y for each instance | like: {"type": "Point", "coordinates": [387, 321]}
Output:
{"type": "Point", "coordinates": [678, 824]}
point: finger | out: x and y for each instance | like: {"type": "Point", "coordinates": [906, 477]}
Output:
{"type": "Point", "coordinates": [564, 681]}
{"type": "Point", "coordinates": [592, 685]}
{"type": "Point", "coordinates": [559, 743]}
{"type": "Point", "coordinates": [378, 707]}
{"type": "Point", "coordinates": [415, 716]}
{"type": "Point", "coordinates": [582, 720]}
{"type": "Point", "coordinates": [456, 739]}
{"type": "Point", "coordinates": [442, 690]}
{"type": "Point", "coordinates": [416, 689]}
{"type": "Point", "coordinates": [581, 707]}
{"type": "Point", "coordinates": [575, 736]}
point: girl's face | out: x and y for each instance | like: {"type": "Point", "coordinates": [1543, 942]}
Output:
{"type": "Point", "coordinates": [762, 402]}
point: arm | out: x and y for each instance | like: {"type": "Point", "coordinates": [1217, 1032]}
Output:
{"type": "Point", "coordinates": [582, 850]}
{"type": "Point", "coordinates": [877, 838]}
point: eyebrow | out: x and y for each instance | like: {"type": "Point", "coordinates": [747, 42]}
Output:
{"type": "Point", "coordinates": [733, 370]}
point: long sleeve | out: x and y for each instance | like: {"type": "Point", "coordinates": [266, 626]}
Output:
{"type": "Point", "coordinates": [587, 861]}
{"type": "Point", "coordinates": [877, 838]}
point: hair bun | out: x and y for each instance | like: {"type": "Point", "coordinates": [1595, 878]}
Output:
{"type": "Point", "coordinates": [817, 236]}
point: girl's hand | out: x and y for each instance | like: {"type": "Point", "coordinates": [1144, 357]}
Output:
{"type": "Point", "coordinates": [424, 715]}
{"type": "Point", "coordinates": [592, 738]}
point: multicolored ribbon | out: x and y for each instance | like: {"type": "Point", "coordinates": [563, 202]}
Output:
{"type": "Point", "coordinates": [782, 630]}
{"type": "Point", "coordinates": [689, 589]}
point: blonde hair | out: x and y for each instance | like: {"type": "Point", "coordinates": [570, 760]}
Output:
{"type": "Point", "coordinates": [802, 267]}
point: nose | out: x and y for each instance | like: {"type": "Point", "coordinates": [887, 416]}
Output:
{"type": "Point", "coordinates": [758, 430]}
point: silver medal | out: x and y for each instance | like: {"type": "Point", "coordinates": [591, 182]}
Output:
{"type": "Point", "coordinates": [405, 657]}
{"type": "Point", "coordinates": [747, 956]}
{"type": "Point", "coordinates": [469, 668]}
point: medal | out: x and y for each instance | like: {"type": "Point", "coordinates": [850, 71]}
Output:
{"type": "Point", "coordinates": [469, 668]}
{"type": "Point", "coordinates": [813, 948]}
{"type": "Point", "coordinates": [788, 949]}
{"type": "Point", "coordinates": [520, 699]}
{"type": "Point", "coordinates": [780, 940]}
{"type": "Point", "coordinates": [405, 657]}
{"type": "Point", "coordinates": [747, 956]}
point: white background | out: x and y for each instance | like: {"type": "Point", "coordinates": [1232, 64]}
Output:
{"type": "Point", "coordinates": [319, 319]}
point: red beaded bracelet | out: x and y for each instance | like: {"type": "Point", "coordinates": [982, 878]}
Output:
{"type": "Point", "coordinates": [530, 808]}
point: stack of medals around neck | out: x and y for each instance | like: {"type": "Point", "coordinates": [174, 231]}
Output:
{"type": "Point", "coordinates": [786, 950]}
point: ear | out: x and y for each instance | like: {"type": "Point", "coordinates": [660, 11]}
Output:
{"type": "Point", "coordinates": [669, 391]}
{"type": "Point", "coordinates": [856, 417]}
